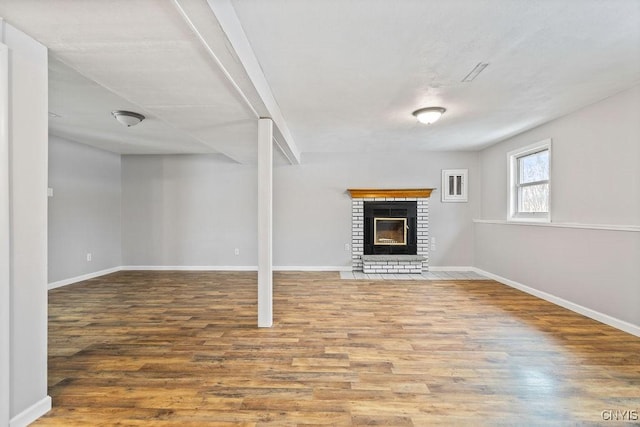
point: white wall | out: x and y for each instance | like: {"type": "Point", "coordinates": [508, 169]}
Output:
{"type": "Point", "coordinates": [195, 210]}
{"type": "Point", "coordinates": [188, 210]}
{"type": "Point", "coordinates": [28, 229]}
{"type": "Point", "coordinates": [595, 173]}
{"type": "Point", "coordinates": [312, 209]}
{"type": "Point", "coordinates": [85, 210]}
{"type": "Point", "coordinates": [595, 180]}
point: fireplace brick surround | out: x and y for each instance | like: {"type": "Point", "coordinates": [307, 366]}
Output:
{"type": "Point", "coordinates": [390, 264]}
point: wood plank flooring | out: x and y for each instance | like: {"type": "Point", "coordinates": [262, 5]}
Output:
{"type": "Point", "coordinates": [183, 349]}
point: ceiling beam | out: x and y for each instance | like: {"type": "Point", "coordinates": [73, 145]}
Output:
{"type": "Point", "coordinates": [230, 24]}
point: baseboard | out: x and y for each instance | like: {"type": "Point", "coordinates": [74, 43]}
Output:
{"type": "Point", "coordinates": [451, 268]}
{"type": "Point", "coordinates": [189, 268]}
{"type": "Point", "coordinates": [233, 268]}
{"type": "Point", "coordinates": [77, 279]}
{"type": "Point", "coordinates": [311, 268]}
{"type": "Point", "coordinates": [593, 314]}
{"type": "Point", "coordinates": [32, 413]}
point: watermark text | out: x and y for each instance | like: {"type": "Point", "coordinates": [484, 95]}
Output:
{"type": "Point", "coordinates": [619, 415]}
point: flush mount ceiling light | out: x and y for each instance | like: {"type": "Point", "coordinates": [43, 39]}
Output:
{"type": "Point", "coordinates": [429, 115]}
{"type": "Point", "coordinates": [128, 118]}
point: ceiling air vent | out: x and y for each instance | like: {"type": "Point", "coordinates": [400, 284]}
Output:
{"type": "Point", "coordinates": [476, 70]}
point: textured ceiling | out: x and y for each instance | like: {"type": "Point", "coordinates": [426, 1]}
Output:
{"type": "Point", "coordinates": [143, 54]}
{"type": "Point", "coordinates": [345, 74]}
{"type": "Point", "coordinates": [348, 74]}
{"type": "Point", "coordinates": [82, 111]}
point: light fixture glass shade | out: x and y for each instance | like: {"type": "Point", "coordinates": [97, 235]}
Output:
{"type": "Point", "coordinates": [429, 115]}
{"type": "Point", "coordinates": [128, 118]}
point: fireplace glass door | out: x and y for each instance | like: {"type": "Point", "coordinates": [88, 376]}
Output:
{"type": "Point", "coordinates": [390, 227]}
{"type": "Point", "coordinates": [390, 231]}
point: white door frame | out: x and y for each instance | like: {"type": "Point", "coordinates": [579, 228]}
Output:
{"type": "Point", "coordinates": [5, 235]}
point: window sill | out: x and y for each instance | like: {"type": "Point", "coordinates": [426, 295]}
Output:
{"type": "Point", "coordinates": [524, 219]}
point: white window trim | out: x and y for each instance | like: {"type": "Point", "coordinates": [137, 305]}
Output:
{"type": "Point", "coordinates": [463, 173]}
{"type": "Point", "coordinates": [512, 196]}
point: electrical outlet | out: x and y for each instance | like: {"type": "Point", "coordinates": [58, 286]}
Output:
{"type": "Point", "coordinates": [346, 247]}
{"type": "Point", "coordinates": [49, 192]}
{"type": "Point", "coordinates": [237, 251]}
{"type": "Point", "coordinates": [89, 257]}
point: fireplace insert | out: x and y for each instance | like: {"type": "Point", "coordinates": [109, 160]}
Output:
{"type": "Point", "coordinates": [390, 228]}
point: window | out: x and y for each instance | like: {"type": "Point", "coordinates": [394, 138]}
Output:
{"type": "Point", "coordinates": [529, 182]}
{"type": "Point", "coordinates": [454, 185]}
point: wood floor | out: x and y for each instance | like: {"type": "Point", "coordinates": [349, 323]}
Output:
{"type": "Point", "coordinates": [183, 349]}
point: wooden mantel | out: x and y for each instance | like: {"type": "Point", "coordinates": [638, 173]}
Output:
{"type": "Point", "coordinates": [362, 193]}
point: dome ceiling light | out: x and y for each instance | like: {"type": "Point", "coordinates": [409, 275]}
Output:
{"type": "Point", "coordinates": [429, 115]}
{"type": "Point", "coordinates": [128, 118]}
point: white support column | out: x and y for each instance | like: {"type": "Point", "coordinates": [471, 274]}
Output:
{"type": "Point", "coordinates": [5, 296]}
{"type": "Point", "coordinates": [265, 223]}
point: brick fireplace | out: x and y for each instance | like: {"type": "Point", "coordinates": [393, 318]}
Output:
{"type": "Point", "coordinates": [403, 247]}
